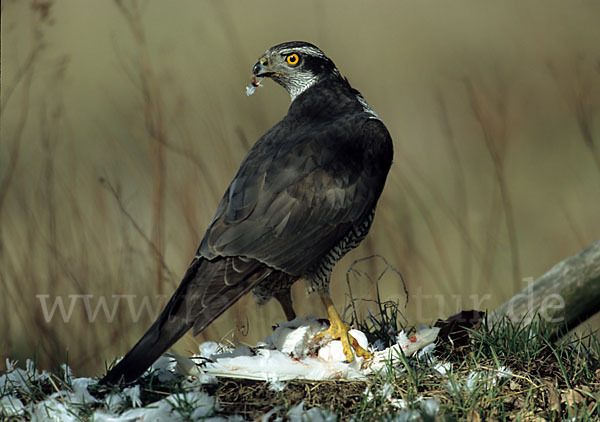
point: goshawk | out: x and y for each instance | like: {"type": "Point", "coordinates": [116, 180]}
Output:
{"type": "Point", "coordinates": [303, 197]}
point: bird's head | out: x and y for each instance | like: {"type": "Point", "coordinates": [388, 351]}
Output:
{"type": "Point", "coordinates": [296, 66]}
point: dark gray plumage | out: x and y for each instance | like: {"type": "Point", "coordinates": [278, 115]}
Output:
{"type": "Point", "coordinates": [304, 196]}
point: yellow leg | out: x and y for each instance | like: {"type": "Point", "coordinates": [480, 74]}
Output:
{"type": "Point", "coordinates": [338, 330]}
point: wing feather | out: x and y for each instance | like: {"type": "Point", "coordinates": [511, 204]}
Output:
{"type": "Point", "coordinates": [320, 184]}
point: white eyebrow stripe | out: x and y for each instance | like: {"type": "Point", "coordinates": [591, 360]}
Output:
{"type": "Point", "coordinates": [308, 50]}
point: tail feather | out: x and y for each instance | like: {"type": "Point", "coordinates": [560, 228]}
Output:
{"type": "Point", "coordinates": [207, 290]}
{"type": "Point", "coordinates": [149, 348]}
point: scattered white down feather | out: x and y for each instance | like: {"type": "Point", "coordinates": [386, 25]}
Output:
{"type": "Point", "coordinates": [251, 87]}
{"type": "Point", "coordinates": [489, 378]}
{"type": "Point", "coordinates": [11, 406]}
{"type": "Point", "coordinates": [298, 414]}
{"type": "Point", "coordinates": [53, 410]}
{"type": "Point", "coordinates": [133, 394]}
{"type": "Point", "coordinates": [165, 410]}
{"type": "Point", "coordinates": [443, 368]}
{"type": "Point", "coordinates": [428, 405]}
{"type": "Point", "coordinates": [20, 379]}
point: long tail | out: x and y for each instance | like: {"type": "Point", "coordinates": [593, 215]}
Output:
{"type": "Point", "coordinates": [207, 290]}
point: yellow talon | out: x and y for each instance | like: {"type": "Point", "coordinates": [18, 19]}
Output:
{"type": "Point", "coordinates": [338, 330]}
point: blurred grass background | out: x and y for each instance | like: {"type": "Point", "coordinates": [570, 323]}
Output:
{"type": "Point", "coordinates": [122, 123]}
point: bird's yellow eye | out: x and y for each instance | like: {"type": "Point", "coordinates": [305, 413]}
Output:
{"type": "Point", "coordinates": [292, 59]}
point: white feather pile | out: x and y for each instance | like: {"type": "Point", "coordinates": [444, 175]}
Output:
{"type": "Point", "coordinates": [287, 354]}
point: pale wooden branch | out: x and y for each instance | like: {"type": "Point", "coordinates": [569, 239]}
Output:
{"type": "Point", "coordinates": [565, 296]}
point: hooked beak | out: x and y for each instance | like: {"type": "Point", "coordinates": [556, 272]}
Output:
{"type": "Point", "coordinates": [261, 68]}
